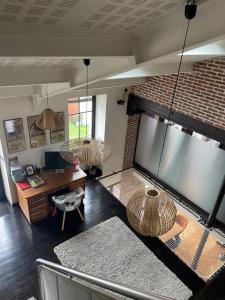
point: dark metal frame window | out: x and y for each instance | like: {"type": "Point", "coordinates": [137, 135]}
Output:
{"type": "Point", "coordinates": [209, 219]}
{"type": "Point", "coordinates": [79, 102]}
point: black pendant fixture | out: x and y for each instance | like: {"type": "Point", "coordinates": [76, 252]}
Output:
{"type": "Point", "coordinates": [152, 212]}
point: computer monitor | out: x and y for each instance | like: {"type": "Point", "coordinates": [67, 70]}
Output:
{"type": "Point", "coordinates": [54, 160]}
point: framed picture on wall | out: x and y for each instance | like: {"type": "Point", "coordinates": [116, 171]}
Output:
{"type": "Point", "coordinates": [58, 135]}
{"type": "Point", "coordinates": [37, 135]}
{"type": "Point", "coordinates": [14, 133]}
{"type": "Point", "coordinates": [29, 170]}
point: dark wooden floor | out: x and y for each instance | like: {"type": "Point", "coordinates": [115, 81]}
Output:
{"type": "Point", "coordinates": [4, 208]}
{"type": "Point", "coordinates": [21, 244]}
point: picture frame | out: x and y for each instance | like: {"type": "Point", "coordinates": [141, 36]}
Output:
{"type": "Point", "coordinates": [14, 132]}
{"type": "Point", "coordinates": [58, 135]}
{"type": "Point", "coordinates": [13, 161]}
{"type": "Point", "coordinates": [29, 170]}
{"type": "Point", "coordinates": [37, 135]}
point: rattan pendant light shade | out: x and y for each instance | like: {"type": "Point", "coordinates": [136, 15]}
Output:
{"type": "Point", "coordinates": [48, 120]}
{"type": "Point", "coordinates": [87, 151]}
{"type": "Point", "coordinates": [151, 213]}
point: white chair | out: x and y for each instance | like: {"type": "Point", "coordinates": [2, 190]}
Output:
{"type": "Point", "coordinates": [68, 202]}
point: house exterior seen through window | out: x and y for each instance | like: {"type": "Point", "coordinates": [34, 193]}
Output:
{"type": "Point", "coordinates": [82, 117]}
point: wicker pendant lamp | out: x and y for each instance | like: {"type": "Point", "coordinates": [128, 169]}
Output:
{"type": "Point", "coordinates": [151, 212]}
{"type": "Point", "coordinates": [88, 151]}
{"type": "Point", "coordinates": [48, 119]}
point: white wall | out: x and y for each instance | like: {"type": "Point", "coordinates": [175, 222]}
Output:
{"type": "Point", "coordinates": [100, 116]}
{"type": "Point", "coordinates": [22, 107]}
{"type": "Point", "coordinates": [115, 130]}
{"type": "Point", "coordinates": [111, 127]}
{"type": "Point", "coordinates": [4, 173]}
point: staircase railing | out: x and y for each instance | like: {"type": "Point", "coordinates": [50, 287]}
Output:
{"type": "Point", "coordinates": [90, 282]}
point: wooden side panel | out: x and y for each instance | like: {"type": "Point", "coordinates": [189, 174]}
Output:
{"type": "Point", "coordinates": [38, 207]}
{"type": "Point", "coordinates": [39, 214]}
{"type": "Point", "coordinates": [23, 204]}
{"type": "Point", "coordinates": [77, 183]}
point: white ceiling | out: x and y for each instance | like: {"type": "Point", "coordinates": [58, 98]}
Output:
{"type": "Point", "coordinates": [129, 15]}
{"type": "Point", "coordinates": [42, 53]}
{"type": "Point", "coordinates": [118, 15]}
{"type": "Point", "coordinates": [47, 12]}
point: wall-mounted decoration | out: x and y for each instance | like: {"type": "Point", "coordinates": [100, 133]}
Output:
{"type": "Point", "coordinates": [37, 135]}
{"type": "Point", "coordinates": [14, 133]}
{"type": "Point", "coordinates": [58, 135]}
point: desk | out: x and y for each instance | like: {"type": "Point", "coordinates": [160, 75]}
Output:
{"type": "Point", "coordinates": [34, 201]}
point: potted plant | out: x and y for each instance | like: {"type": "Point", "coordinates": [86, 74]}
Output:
{"type": "Point", "coordinates": [92, 170]}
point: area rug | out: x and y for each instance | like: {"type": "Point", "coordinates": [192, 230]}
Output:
{"type": "Point", "coordinates": [113, 252]}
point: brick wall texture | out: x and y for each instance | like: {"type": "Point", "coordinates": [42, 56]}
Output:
{"type": "Point", "coordinates": [130, 142]}
{"type": "Point", "coordinates": [200, 94]}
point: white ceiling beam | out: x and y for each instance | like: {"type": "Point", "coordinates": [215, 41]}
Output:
{"type": "Point", "coordinates": [167, 35]}
{"type": "Point", "coordinates": [99, 68]}
{"type": "Point", "coordinates": [43, 45]}
{"type": "Point", "coordinates": [112, 83]}
{"type": "Point", "coordinates": [154, 69]}
{"type": "Point", "coordinates": [19, 91]}
{"type": "Point", "coordinates": [92, 92]}
{"type": "Point", "coordinates": [31, 77]}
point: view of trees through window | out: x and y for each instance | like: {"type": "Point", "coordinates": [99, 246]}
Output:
{"type": "Point", "coordinates": [81, 117]}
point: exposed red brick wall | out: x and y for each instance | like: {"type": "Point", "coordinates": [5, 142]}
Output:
{"type": "Point", "coordinates": [131, 135]}
{"type": "Point", "coordinates": [200, 94]}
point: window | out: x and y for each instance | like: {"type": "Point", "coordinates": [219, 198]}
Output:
{"type": "Point", "coordinates": [82, 117]}
{"type": "Point", "coordinates": [188, 131]}
{"type": "Point", "coordinates": [206, 139]}
{"type": "Point", "coordinates": [172, 124]}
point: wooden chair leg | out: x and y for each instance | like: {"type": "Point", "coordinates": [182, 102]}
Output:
{"type": "Point", "coordinates": [82, 218]}
{"type": "Point", "coordinates": [63, 220]}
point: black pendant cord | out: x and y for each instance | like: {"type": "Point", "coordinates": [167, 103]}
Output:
{"type": "Point", "coordinates": [86, 102]}
{"type": "Point", "coordinates": [173, 97]}
{"type": "Point", "coordinates": [79, 117]}
{"type": "Point", "coordinates": [46, 87]}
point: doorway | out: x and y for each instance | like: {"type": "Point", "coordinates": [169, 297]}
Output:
{"type": "Point", "coordinates": [2, 192]}
{"type": "Point", "coordinates": [4, 209]}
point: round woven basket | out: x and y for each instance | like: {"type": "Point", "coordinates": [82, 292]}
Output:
{"type": "Point", "coordinates": [87, 151]}
{"type": "Point", "coordinates": [151, 212]}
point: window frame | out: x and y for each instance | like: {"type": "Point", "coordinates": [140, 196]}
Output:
{"type": "Point", "coordinates": [93, 111]}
